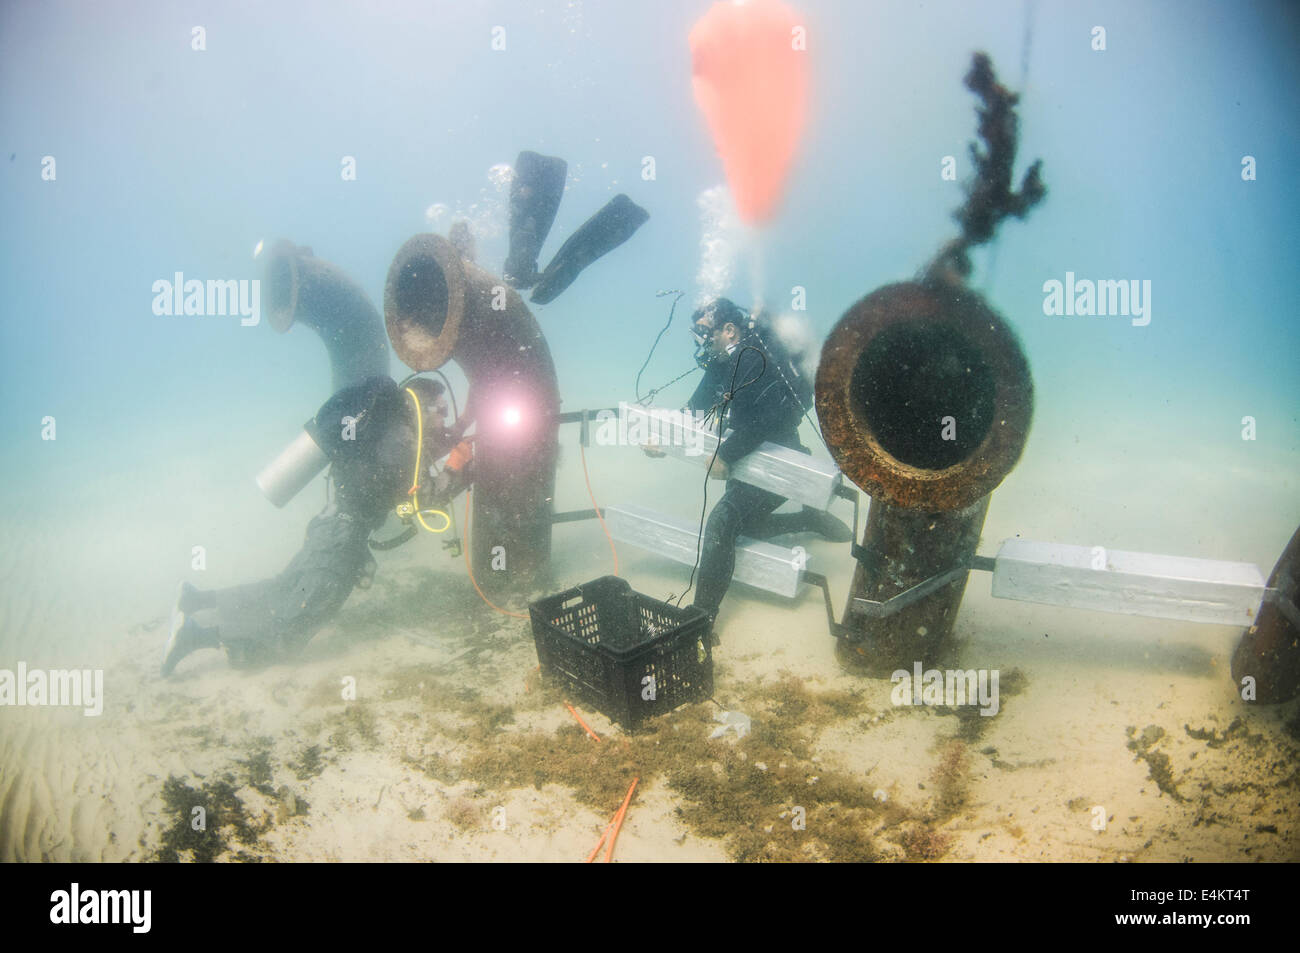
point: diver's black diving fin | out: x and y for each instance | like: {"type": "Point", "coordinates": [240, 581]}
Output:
{"type": "Point", "coordinates": [535, 194]}
{"type": "Point", "coordinates": [603, 232]}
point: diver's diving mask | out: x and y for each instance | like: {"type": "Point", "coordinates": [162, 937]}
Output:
{"type": "Point", "coordinates": [703, 346]}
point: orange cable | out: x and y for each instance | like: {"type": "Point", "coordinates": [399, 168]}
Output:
{"type": "Point", "coordinates": [610, 827]}
{"type": "Point", "coordinates": [601, 843]}
{"type": "Point", "coordinates": [464, 546]}
{"type": "Point", "coordinates": [583, 452]}
{"type": "Point", "coordinates": [574, 712]}
{"type": "Point", "coordinates": [618, 821]}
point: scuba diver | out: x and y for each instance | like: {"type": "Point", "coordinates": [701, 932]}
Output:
{"type": "Point", "coordinates": [769, 399]}
{"type": "Point", "coordinates": [376, 435]}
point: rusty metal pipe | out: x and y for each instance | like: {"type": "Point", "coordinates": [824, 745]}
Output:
{"type": "Point", "coordinates": [300, 288]}
{"type": "Point", "coordinates": [925, 400]}
{"type": "Point", "coordinates": [439, 307]}
{"type": "Point", "coordinates": [1269, 651]}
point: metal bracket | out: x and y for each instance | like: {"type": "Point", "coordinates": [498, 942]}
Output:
{"type": "Point", "coordinates": [574, 516]}
{"type": "Point", "coordinates": [877, 610]}
{"type": "Point", "coordinates": [817, 579]}
{"type": "Point", "coordinates": [873, 609]}
{"type": "Point", "coordinates": [850, 493]}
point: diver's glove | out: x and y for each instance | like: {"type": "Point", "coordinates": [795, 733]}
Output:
{"type": "Point", "coordinates": [440, 493]}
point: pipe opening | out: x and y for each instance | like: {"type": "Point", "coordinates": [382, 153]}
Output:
{"type": "Point", "coordinates": [420, 293]}
{"type": "Point", "coordinates": [908, 379]}
{"type": "Point", "coordinates": [280, 286]}
{"type": "Point", "coordinates": [281, 280]}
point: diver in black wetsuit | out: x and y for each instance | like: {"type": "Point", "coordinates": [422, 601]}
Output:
{"type": "Point", "coordinates": [764, 405]}
{"type": "Point", "coordinates": [369, 432]}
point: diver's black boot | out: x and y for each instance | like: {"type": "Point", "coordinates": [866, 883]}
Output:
{"type": "Point", "coordinates": [185, 638]}
{"type": "Point", "coordinates": [535, 194]}
{"type": "Point", "coordinates": [192, 599]}
{"type": "Point", "coordinates": [711, 639]}
{"type": "Point", "coordinates": [603, 232]}
{"type": "Point", "coordinates": [828, 527]}
{"type": "Point", "coordinates": [185, 634]}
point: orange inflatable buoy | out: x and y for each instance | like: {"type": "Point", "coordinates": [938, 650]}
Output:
{"type": "Point", "coordinates": [750, 74]}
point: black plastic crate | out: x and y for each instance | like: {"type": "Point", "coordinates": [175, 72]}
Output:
{"type": "Point", "coordinates": [609, 645]}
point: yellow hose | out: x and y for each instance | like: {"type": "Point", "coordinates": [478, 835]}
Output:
{"type": "Point", "coordinates": [415, 476]}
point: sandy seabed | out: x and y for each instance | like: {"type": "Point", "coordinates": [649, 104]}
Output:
{"type": "Point", "coordinates": [455, 750]}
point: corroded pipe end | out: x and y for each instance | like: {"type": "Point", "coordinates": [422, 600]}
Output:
{"type": "Point", "coordinates": [424, 302]}
{"type": "Point", "coordinates": [299, 288]}
{"type": "Point", "coordinates": [440, 307]}
{"type": "Point", "coordinates": [1269, 651]}
{"type": "Point", "coordinates": [280, 284]}
{"type": "Point", "coordinates": [924, 396]}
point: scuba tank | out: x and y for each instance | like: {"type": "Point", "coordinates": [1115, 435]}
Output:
{"type": "Point", "coordinates": [320, 442]}
{"type": "Point", "coordinates": [787, 341]}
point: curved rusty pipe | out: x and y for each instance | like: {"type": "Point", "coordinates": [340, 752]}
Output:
{"type": "Point", "coordinates": [439, 307]}
{"type": "Point", "coordinates": [300, 288]}
{"type": "Point", "coordinates": [925, 400]}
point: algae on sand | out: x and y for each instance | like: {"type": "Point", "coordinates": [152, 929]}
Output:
{"type": "Point", "coordinates": [211, 820]}
{"type": "Point", "coordinates": [1159, 766]}
{"type": "Point", "coordinates": [764, 796]}
{"type": "Point", "coordinates": [202, 818]}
